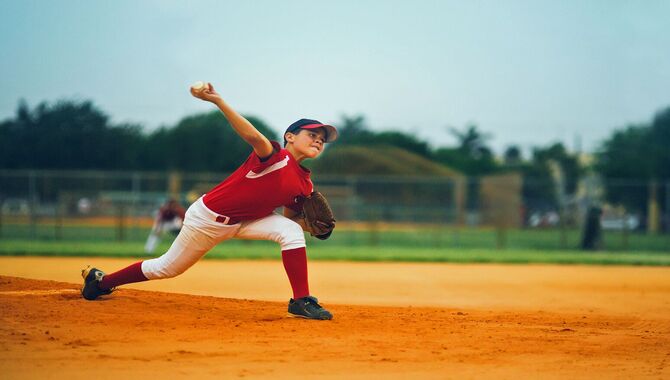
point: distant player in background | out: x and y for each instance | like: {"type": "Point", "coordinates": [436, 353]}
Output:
{"type": "Point", "coordinates": [169, 218]}
{"type": "Point", "coordinates": [242, 207]}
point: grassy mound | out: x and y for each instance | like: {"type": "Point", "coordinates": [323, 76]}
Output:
{"type": "Point", "coordinates": [378, 160]}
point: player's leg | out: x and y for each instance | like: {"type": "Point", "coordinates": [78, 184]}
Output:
{"type": "Point", "coordinates": [151, 244]}
{"type": "Point", "coordinates": [152, 241]}
{"type": "Point", "coordinates": [291, 238]}
{"type": "Point", "coordinates": [188, 247]}
{"type": "Point", "coordinates": [199, 234]}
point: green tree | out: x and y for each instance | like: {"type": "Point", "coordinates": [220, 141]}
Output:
{"type": "Point", "coordinates": [512, 155]}
{"type": "Point", "coordinates": [353, 130]}
{"type": "Point", "coordinates": [660, 145]}
{"type": "Point", "coordinates": [77, 135]}
{"type": "Point", "coordinates": [403, 141]}
{"type": "Point", "coordinates": [202, 142]}
{"type": "Point", "coordinates": [67, 135]}
{"type": "Point", "coordinates": [539, 188]}
{"type": "Point", "coordinates": [632, 158]}
{"type": "Point", "coordinates": [472, 156]}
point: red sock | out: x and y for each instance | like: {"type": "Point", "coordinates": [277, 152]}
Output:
{"type": "Point", "coordinates": [295, 263]}
{"type": "Point", "coordinates": [127, 275]}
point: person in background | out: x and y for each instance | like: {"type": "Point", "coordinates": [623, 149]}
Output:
{"type": "Point", "coordinates": [169, 218]}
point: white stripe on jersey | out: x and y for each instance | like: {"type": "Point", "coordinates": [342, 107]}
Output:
{"type": "Point", "coordinates": [269, 169]}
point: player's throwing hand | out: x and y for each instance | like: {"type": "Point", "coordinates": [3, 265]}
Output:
{"type": "Point", "coordinates": [205, 92]}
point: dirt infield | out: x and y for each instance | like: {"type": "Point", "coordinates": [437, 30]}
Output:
{"type": "Point", "coordinates": [487, 321]}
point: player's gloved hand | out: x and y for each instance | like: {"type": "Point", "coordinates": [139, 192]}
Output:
{"type": "Point", "coordinates": [318, 215]}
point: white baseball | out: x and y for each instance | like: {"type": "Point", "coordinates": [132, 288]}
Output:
{"type": "Point", "coordinates": [198, 86]}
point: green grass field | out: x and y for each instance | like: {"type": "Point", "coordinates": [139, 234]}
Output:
{"type": "Point", "coordinates": [325, 251]}
{"type": "Point", "coordinates": [406, 243]}
{"type": "Point", "coordinates": [413, 236]}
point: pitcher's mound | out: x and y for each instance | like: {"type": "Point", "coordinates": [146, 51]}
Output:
{"type": "Point", "coordinates": [48, 330]}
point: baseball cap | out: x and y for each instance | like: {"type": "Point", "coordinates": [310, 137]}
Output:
{"type": "Point", "coordinates": [331, 132]}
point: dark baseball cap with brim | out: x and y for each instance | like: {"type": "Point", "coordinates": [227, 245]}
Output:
{"type": "Point", "coordinates": [331, 132]}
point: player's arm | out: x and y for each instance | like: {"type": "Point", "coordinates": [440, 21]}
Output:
{"type": "Point", "coordinates": [296, 217]}
{"type": "Point", "coordinates": [242, 126]}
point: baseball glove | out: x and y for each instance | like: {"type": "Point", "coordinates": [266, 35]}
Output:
{"type": "Point", "coordinates": [318, 215]}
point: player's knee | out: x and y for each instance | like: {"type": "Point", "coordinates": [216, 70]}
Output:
{"type": "Point", "coordinates": [171, 271]}
{"type": "Point", "coordinates": [162, 270]}
{"type": "Point", "coordinates": [290, 236]}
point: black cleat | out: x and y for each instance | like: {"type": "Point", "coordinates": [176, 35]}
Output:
{"type": "Point", "coordinates": [307, 307]}
{"type": "Point", "coordinates": [92, 278]}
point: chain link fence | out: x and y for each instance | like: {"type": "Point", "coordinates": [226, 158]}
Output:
{"type": "Point", "coordinates": [499, 211]}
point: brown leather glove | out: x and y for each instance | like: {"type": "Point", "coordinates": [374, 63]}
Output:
{"type": "Point", "coordinates": [318, 215]}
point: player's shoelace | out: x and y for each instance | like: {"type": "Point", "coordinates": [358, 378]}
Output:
{"type": "Point", "coordinates": [312, 306]}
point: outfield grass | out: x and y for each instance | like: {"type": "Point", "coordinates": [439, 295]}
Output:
{"type": "Point", "coordinates": [410, 237]}
{"type": "Point", "coordinates": [358, 243]}
{"type": "Point", "coordinates": [324, 251]}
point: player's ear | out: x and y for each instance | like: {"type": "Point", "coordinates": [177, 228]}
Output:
{"type": "Point", "coordinates": [288, 136]}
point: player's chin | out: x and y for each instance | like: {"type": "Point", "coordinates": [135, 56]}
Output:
{"type": "Point", "coordinates": [313, 153]}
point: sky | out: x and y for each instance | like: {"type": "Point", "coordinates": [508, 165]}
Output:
{"type": "Point", "coordinates": [529, 73]}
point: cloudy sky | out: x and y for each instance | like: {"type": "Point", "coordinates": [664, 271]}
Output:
{"type": "Point", "coordinates": [526, 72]}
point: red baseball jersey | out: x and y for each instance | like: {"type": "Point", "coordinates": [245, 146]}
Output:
{"type": "Point", "coordinates": [258, 187]}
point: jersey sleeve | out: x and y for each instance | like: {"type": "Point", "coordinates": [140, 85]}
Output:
{"type": "Point", "coordinates": [256, 164]}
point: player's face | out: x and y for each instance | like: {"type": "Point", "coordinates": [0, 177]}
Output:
{"type": "Point", "coordinates": [310, 142]}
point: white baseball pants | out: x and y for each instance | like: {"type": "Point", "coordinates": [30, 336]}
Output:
{"type": "Point", "coordinates": [201, 232]}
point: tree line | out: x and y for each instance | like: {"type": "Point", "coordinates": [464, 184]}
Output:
{"type": "Point", "coordinates": [77, 135]}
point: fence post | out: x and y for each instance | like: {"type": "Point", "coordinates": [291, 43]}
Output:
{"type": "Point", "coordinates": [458, 218]}
{"type": "Point", "coordinates": [121, 225]}
{"type": "Point", "coordinates": [459, 200]}
{"type": "Point", "coordinates": [33, 200]}
{"type": "Point", "coordinates": [58, 220]}
{"type": "Point", "coordinates": [373, 227]}
{"type": "Point", "coordinates": [501, 236]}
{"type": "Point", "coordinates": [351, 208]}
{"type": "Point", "coordinates": [652, 208]}
{"type": "Point", "coordinates": [437, 235]}
{"type": "Point", "coordinates": [136, 183]}
{"type": "Point", "coordinates": [174, 184]}
{"type": "Point", "coordinates": [563, 228]}
{"type": "Point", "coordinates": [351, 197]}
{"type": "Point", "coordinates": [667, 214]}
{"type": "Point", "coordinates": [624, 230]}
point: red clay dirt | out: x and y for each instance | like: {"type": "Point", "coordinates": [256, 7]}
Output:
{"type": "Point", "coordinates": [48, 331]}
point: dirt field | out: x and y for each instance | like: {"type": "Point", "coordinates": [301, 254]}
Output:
{"type": "Point", "coordinates": [392, 320]}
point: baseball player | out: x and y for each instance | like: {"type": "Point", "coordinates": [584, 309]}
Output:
{"type": "Point", "coordinates": [169, 218]}
{"type": "Point", "coordinates": [242, 207]}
